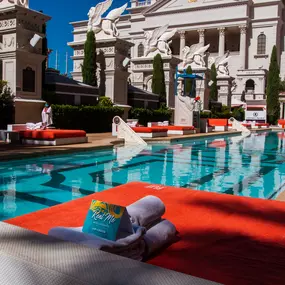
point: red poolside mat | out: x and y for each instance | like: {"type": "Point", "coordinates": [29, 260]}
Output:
{"type": "Point", "coordinates": [51, 134]}
{"type": "Point", "coordinates": [228, 239]}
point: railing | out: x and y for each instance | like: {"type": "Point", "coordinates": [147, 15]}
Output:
{"type": "Point", "coordinates": [125, 132]}
{"type": "Point", "coordinates": [236, 125]}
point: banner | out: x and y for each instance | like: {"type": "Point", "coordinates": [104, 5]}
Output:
{"type": "Point", "coordinates": [259, 115]}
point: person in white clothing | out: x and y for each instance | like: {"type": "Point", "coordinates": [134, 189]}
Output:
{"type": "Point", "coordinates": [46, 116]}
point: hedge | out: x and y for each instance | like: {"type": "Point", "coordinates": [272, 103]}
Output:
{"type": "Point", "coordinates": [92, 119]}
{"type": "Point", "coordinates": [148, 115]}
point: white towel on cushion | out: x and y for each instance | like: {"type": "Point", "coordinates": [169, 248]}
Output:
{"type": "Point", "coordinates": [163, 233]}
{"type": "Point", "coordinates": [32, 126]}
{"type": "Point", "coordinates": [146, 211]}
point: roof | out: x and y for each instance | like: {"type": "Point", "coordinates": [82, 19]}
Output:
{"type": "Point", "coordinates": [137, 91]}
{"type": "Point", "coordinates": [53, 76]}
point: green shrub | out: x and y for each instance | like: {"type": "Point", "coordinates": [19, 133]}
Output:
{"type": "Point", "coordinates": [272, 89]}
{"type": "Point", "coordinates": [105, 102]}
{"type": "Point", "coordinates": [89, 66]}
{"type": "Point", "coordinates": [158, 79]}
{"type": "Point", "coordinates": [205, 115]}
{"type": "Point", "coordinates": [92, 119]}
{"type": "Point", "coordinates": [148, 115]}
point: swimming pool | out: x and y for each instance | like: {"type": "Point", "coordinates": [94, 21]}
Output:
{"type": "Point", "coordinates": [253, 166]}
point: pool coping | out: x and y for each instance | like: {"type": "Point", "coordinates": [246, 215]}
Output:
{"type": "Point", "coordinates": [116, 142]}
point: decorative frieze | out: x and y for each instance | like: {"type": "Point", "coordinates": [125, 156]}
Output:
{"type": "Point", "coordinates": [149, 66]}
{"type": "Point", "coordinates": [7, 24]}
{"type": "Point", "coordinates": [78, 52]}
{"type": "Point", "coordinates": [77, 65]}
{"type": "Point", "coordinates": [29, 26]}
{"type": "Point", "coordinates": [107, 50]}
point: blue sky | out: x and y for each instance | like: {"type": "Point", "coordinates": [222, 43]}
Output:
{"type": "Point", "coordinates": [58, 28]}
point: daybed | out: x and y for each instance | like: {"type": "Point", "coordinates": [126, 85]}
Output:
{"type": "Point", "coordinates": [173, 130]}
{"type": "Point", "coordinates": [220, 125]}
{"type": "Point", "coordinates": [153, 132]}
{"type": "Point", "coordinates": [52, 137]}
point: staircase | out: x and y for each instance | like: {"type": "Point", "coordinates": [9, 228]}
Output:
{"type": "Point", "coordinates": [236, 125]}
{"type": "Point", "coordinates": [125, 132]}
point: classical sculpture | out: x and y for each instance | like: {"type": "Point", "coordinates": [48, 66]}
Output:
{"type": "Point", "coordinates": [195, 53]}
{"type": "Point", "coordinates": [24, 3]}
{"type": "Point", "coordinates": [108, 24]}
{"type": "Point", "coordinates": [159, 40]}
{"type": "Point", "coordinates": [222, 64]}
{"type": "Point", "coordinates": [234, 86]}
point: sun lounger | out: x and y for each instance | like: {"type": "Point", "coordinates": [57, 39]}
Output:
{"type": "Point", "coordinates": [30, 258]}
{"type": "Point", "coordinates": [219, 125]}
{"type": "Point", "coordinates": [53, 137]}
{"type": "Point", "coordinates": [153, 132]}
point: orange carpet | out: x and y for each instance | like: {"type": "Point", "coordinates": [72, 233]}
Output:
{"type": "Point", "coordinates": [228, 239]}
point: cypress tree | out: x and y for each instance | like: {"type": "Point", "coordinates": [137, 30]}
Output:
{"type": "Point", "coordinates": [214, 88]}
{"type": "Point", "coordinates": [272, 90]}
{"type": "Point", "coordinates": [158, 80]}
{"type": "Point", "coordinates": [89, 64]}
{"type": "Point", "coordinates": [188, 82]}
{"type": "Point", "coordinates": [243, 96]}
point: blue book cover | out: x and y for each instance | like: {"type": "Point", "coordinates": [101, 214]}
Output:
{"type": "Point", "coordinates": [105, 220]}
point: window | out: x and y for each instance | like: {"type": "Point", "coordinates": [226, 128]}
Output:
{"type": "Point", "coordinates": [249, 86]}
{"type": "Point", "coordinates": [140, 50]}
{"type": "Point", "coordinates": [29, 80]}
{"type": "Point", "coordinates": [261, 44]}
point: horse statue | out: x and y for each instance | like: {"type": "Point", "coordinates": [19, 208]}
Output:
{"type": "Point", "coordinates": [108, 25]}
{"type": "Point", "coordinates": [222, 64]}
{"type": "Point", "coordinates": [195, 53]}
{"type": "Point", "coordinates": [159, 40]}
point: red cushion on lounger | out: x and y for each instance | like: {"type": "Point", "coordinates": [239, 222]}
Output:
{"type": "Point", "coordinates": [262, 124]}
{"type": "Point", "coordinates": [218, 122]}
{"type": "Point", "coordinates": [149, 130]}
{"type": "Point", "coordinates": [180, 128]}
{"type": "Point", "coordinates": [51, 134]}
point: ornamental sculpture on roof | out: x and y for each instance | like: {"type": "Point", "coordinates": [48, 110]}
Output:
{"type": "Point", "coordinates": [107, 24]}
{"type": "Point", "coordinates": [195, 54]}
{"type": "Point", "coordinates": [221, 63]}
{"type": "Point", "coordinates": [24, 3]}
{"type": "Point", "coordinates": [159, 40]}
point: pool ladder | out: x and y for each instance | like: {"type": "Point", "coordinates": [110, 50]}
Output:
{"type": "Point", "coordinates": [236, 125]}
{"type": "Point", "coordinates": [125, 132]}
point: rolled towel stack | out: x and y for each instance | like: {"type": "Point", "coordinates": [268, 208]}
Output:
{"type": "Point", "coordinates": [132, 246]}
{"type": "Point", "coordinates": [146, 212]}
{"type": "Point", "coordinates": [159, 236]}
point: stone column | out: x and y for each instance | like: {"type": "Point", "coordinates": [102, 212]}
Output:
{"type": "Point", "coordinates": [182, 42]}
{"type": "Point", "coordinates": [201, 33]}
{"type": "Point", "coordinates": [221, 41]}
{"type": "Point", "coordinates": [242, 46]}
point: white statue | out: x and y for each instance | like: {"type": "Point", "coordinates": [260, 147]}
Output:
{"type": "Point", "coordinates": [160, 40]}
{"type": "Point", "coordinates": [24, 3]}
{"type": "Point", "coordinates": [108, 24]}
{"type": "Point", "coordinates": [195, 53]}
{"type": "Point", "coordinates": [222, 64]}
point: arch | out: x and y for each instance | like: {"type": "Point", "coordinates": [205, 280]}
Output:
{"type": "Point", "coordinates": [249, 86]}
{"type": "Point", "coordinates": [261, 44]}
{"type": "Point", "coordinates": [140, 50]}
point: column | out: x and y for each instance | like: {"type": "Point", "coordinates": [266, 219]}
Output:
{"type": "Point", "coordinates": [201, 33]}
{"type": "Point", "coordinates": [242, 47]}
{"type": "Point", "coordinates": [182, 43]}
{"type": "Point", "coordinates": [221, 41]}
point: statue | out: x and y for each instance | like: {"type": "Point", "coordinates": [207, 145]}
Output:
{"type": "Point", "coordinates": [108, 24]}
{"type": "Point", "coordinates": [234, 86]}
{"type": "Point", "coordinates": [24, 3]}
{"type": "Point", "coordinates": [159, 40]}
{"type": "Point", "coordinates": [195, 53]}
{"type": "Point", "coordinates": [221, 64]}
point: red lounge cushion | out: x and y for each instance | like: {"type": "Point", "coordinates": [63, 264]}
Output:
{"type": "Point", "coordinates": [149, 130]}
{"type": "Point", "coordinates": [281, 122]}
{"type": "Point", "coordinates": [51, 134]}
{"type": "Point", "coordinates": [262, 124]}
{"type": "Point", "coordinates": [218, 122]}
{"type": "Point", "coordinates": [180, 128]}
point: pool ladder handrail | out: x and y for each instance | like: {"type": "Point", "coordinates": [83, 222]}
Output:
{"type": "Point", "coordinates": [236, 125]}
{"type": "Point", "coordinates": [124, 131]}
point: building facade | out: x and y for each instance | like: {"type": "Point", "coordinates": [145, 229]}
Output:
{"type": "Point", "coordinates": [248, 29]}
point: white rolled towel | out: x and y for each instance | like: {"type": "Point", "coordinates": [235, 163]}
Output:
{"type": "Point", "coordinates": [146, 211]}
{"type": "Point", "coordinates": [77, 236]}
{"type": "Point", "coordinates": [162, 234]}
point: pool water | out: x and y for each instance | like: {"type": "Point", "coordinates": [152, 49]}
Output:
{"type": "Point", "coordinates": [252, 166]}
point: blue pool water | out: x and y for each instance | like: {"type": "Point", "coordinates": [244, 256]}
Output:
{"type": "Point", "coordinates": [254, 166]}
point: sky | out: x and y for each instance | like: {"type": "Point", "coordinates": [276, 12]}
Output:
{"type": "Point", "coordinates": [59, 31]}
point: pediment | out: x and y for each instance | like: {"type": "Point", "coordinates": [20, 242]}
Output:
{"type": "Point", "coordinates": [174, 5]}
